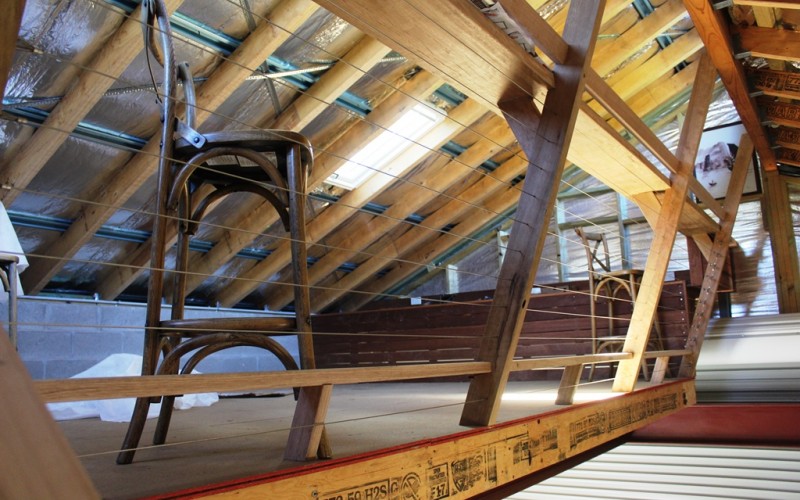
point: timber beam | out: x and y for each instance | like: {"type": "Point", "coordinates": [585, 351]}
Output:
{"type": "Point", "coordinates": [788, 138]}
{"type": "Point", "coordinates": [101, 73]}
{"type": "Point", "coordinates": [774, 4]}
{"type": "Point", "coordinates": [453, 40]}
{"type": "Point", "coordinates": [284, 19]}
{"type": "Point", "coordinates": [9, 27]}
{"type": "Point", "coordinates": [776, 83]}
{"type": "Point", "coordinates": [666, 227]}
{"type": "Point", "coordinates": [770, 43]}
{"type": "Point", "coordinates": [471, 222]}
{"type": "Point", "coordinates": [713, 29]}
{"type": "Point", "coordinates": [545, 142]}
{"type": "Point", "coordinates": [782, 113]}
{"type": "Point", "coordinates": [495, 136]}
{"type": "Point", "coordinates": [790, 157]}
{"type": "Point", "coordinates": [489, 457]}
{"type": "Point", "coordinates": [784, 249]}
{"type": "Point", "coordinates": [716, 259]}
{"type": "Point", "coordinates": [36, 458]}
{"type": "Point", "coordinates": [358, 60]}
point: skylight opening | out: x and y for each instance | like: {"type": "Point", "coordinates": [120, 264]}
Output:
{"type": "Point", "coordinates": [400, 136]}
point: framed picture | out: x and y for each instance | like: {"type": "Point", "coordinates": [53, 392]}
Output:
{"type": "Point", "coordinates": [715, 159]}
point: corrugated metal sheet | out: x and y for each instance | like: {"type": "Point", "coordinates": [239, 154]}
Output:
{"type": "Point", "coordinates": [743, 359]}
{"type": "Point", "coordinates": [753, 358]}
{"type": "Point", "coordinates": [671, 472]}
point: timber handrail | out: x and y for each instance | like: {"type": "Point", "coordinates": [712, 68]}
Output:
{"type": "Point", "coordinates": [84, 389]}
{"type": "Point", "coordinates": [563, 361]}
{"type": "Point", "coordinates": [589, 359]}
{"type": "Point", "coordinates": [666, 354]}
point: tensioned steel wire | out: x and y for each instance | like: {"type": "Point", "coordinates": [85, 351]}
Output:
{"type": "Point", "coordinates": [115, 451]}
{"type": "Point", "coordinates": [341, 421]}
{"type": "Point", "coordinates": [216, 54]}
{"type": "Point", "coordinates": [351, 249]}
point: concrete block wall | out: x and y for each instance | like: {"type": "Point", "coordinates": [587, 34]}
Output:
{"type": "Point", "coordinates": [59, 338]}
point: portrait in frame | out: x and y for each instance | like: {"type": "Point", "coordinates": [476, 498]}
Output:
{"type": "Point", "coordinates": [715, 158]}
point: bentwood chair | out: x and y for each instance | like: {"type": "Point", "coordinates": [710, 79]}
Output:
{"type": "Point", "coordinates": [195, 171]}
{"type": "Point", "coordinates": [610, 286]}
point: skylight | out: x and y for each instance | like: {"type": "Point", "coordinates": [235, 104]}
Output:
{"type": "Point", "coordinates": [386, 146]}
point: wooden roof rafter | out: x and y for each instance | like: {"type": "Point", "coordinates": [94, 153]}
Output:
{"type": "Point", "coordinates": [713, 29]}
{"type": "Point", "coordinates": [289, 14]}
{"type": "Point", "coordinates": [695, 220]}
{"type": "Point", "coordinates": [364, 55]}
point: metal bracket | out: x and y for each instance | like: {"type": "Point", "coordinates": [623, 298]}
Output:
{"type": "Point", "coordinates": [191, 135]}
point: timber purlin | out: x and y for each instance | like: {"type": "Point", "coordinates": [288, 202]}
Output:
{"type": "Point", "coordinates": [557, 324]}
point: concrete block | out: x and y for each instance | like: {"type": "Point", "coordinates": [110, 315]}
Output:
{"type": "Point", "coordinates": [116, 315]}
{"type": "Point", "coordinates": [62, 314]}
{"type": "Point", "coordinates": [95, 345]}
{"type": "Point", "coordinates": [44, 345]}
{"type": "Point", "coordinates": [132, 341]}
{"type": "Point", "coordinates": [65, 368]}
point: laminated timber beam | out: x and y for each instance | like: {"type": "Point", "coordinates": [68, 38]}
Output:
{"type": "Point", "coordinates": [352, 66]}
{"type": "Point", "coordinates": [776, 83]}
{"type": "Point", "coordinates": [770, 43]}
{"type": "Point", "coordinates": [774, 4]}
{"type": "Point", "coordinates": [666, 228]}
{"type": "Point", "coordinates": [288, 15]}
{"type": "Point", "coordinates": [400, 248]}
{"type": "Point", "coordinates": [660, 64]}
{"type": "Point", "coordinates": [713, 29]}
{"type": "Point", "coordinates": [550, 42]}
{"type": "Point", "coordinates": [788, 138]}
{"type": "Point", "coordinates": [545, 142]}
{"type": "Point", "coordinates": [466, 464]}
{"type": "Point", "coordinates": [100, 74]}
{"type": "Point", "coordinates": [642, 33]}
{"type": "Point", "coordinates": [782, 113]}
{"type": "Point", "coordinates": [790, 156]}
{"type": "Point", "coordinates": [453, 40]}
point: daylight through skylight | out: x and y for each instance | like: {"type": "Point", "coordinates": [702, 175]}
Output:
{"type": "Point", "coordinates": [385, 147]}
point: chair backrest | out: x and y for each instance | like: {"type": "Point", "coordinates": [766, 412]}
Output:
{"type": "Point", "coordinates": [595, 245]}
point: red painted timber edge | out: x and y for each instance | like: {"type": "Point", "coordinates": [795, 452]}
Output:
{"type": "Point", "coordinates": [765, 424]}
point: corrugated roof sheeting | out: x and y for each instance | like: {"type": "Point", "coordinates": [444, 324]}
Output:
{"type": "Point", "coordinates": [751, 359]}
{"type": "Point", "coordinates": [638, 471]}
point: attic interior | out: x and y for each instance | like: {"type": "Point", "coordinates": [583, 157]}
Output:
{"type": "Point", "coordinates": [342, 202]}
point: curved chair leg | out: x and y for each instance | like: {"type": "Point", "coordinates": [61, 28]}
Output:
{"type": "Point", "coordinates": [164, 419]}
{"type": "Point", "coordinates": [134, 433]}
